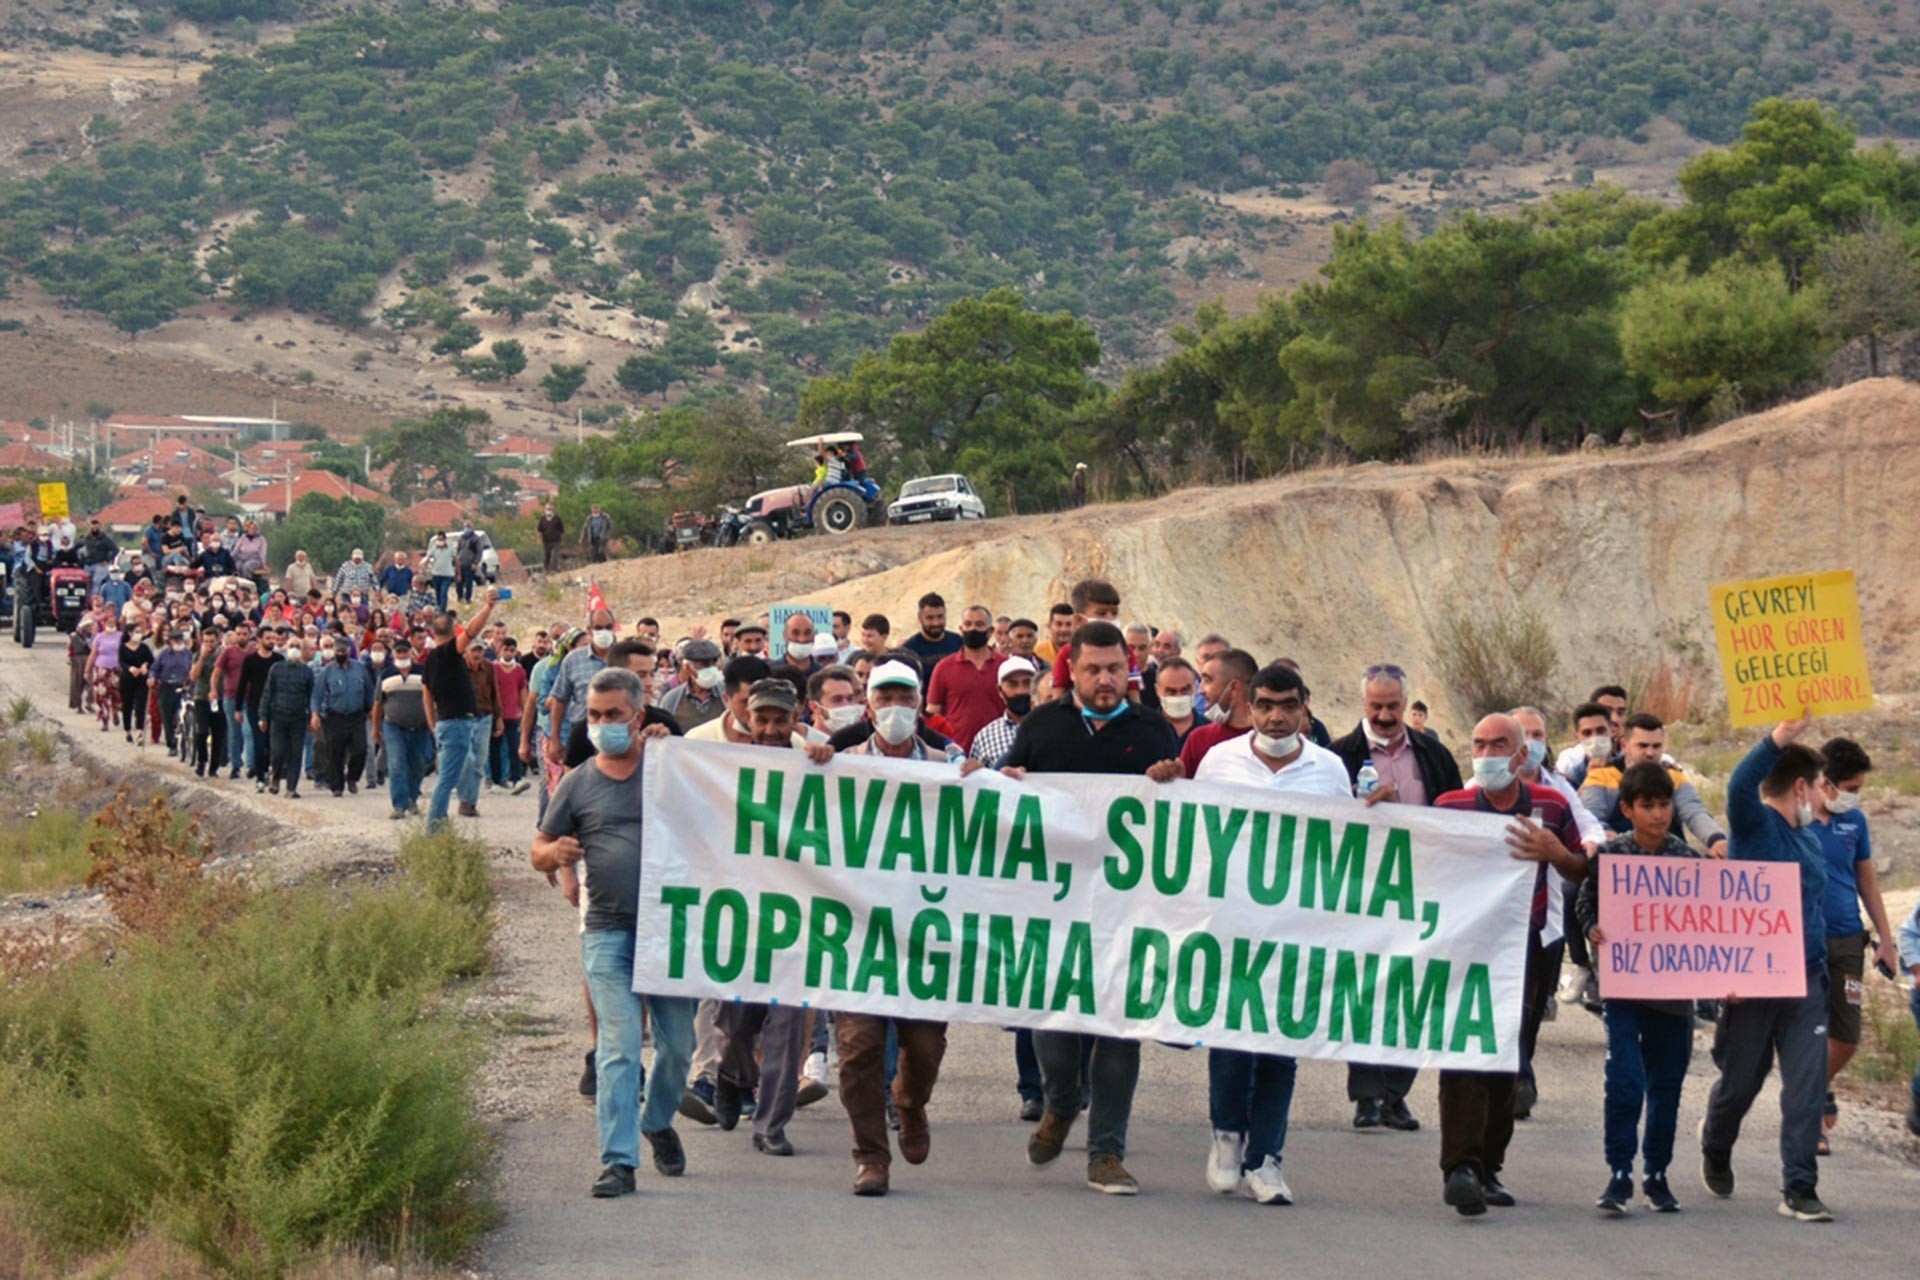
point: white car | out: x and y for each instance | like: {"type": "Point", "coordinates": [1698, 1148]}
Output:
{"type": "Point", "coordinates": [489, 567]}
{"type": "Point", "coordinates": [931, 498]}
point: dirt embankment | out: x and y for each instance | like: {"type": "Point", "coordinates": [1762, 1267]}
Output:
{"type": "Point", "coordinates": [1339, 568]}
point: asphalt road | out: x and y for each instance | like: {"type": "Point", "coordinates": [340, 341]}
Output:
{"type": "Point", "coordinates": [1367, 1203]}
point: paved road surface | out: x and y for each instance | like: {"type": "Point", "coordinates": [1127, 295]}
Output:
{"type": "Point", "coordinates": [1368, 1203]}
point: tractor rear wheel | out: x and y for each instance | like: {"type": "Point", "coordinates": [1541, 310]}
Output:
{"type": "Point", "coordinates": [840, 513]}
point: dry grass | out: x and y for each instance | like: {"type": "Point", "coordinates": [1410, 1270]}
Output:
{"type": "Point", "coordinates": [154, 1257]}
{"type": "Point", "coordinates": [1496, 657]}
{"type": "Point", "coordinates": [1667, 690]}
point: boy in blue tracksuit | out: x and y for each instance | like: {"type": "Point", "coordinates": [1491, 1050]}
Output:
{"type": "Point", "coordinates": [1770, 801]}
{"type": "Point", "coordinates": [1649, 1042]}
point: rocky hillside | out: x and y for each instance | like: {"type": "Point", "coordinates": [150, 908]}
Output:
{"type": "Point", "coordinates": [1615, 550]}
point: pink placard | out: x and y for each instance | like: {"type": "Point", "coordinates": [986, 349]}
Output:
{"type": "Point", "coordinates": [1694, 928]}
{"type": "Point", "coordinates": [11, 516]}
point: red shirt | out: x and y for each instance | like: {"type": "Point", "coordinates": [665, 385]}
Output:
{"type": "Point", "coordinates": [1204, 739]}
{"type": "Point", "coordinates": [968, 696]}
{"type": "Point", "coordinates": [512, 678]}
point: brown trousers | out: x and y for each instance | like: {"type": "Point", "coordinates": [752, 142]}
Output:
{"type": "Point", "coordinates": [863, 1075]}
{"type": "Point", "coordinates": [1476, 1107]}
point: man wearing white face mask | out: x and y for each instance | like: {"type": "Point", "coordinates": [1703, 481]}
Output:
{"type": "Point", "coordinates": [1477, 1107]}
{"type": "Point", "coordinates": [697, 699]}
{"type": "Point", "coordinates": [893, 698]}
{"type": "Point", "coordinates": [1592, 749]}
{"type": "Point", "coordinates": [567, 701]}
{"type": "Point", "coordinates": [1554, 935]}
{"type": "Point", "coordinates": [1250, 1095]}
{"type": "Point", "coordinates": [1770, 800]}
{"type": "Point", "coordinates": [833, 701]}
{"type": "Point", "coordinates": [1841, 829]}
{"type": "Point", "coordinates": [1177, 684]}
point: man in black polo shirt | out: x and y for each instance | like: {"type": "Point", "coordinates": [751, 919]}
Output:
{"type": "Point", "coordinates": [1096, 730]}
{"type": "Point", "coordinates": [453, 713]}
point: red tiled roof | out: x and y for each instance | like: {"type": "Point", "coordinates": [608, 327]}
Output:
{"type": "Point", "coordinates": [273, 497]}
{"type": "Point", "coordinates": [434, 513]}
{"type": "Point", "coordinates": [27, 458]}
{"type": "Point", "coordinates": [132, 513]}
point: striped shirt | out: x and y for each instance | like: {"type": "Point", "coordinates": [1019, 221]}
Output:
{"type": "Point", "coordinates": [1545, 806]}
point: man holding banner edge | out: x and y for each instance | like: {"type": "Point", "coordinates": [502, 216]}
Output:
{"type": "Point", "coordinates": [1477, 1107]}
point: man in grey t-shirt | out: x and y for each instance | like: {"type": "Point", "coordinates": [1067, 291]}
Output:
{"type": "Point", "coordinates": [594, 819]}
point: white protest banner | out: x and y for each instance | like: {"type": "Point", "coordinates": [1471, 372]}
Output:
{"type": "Point", "coordinates": [1200, 915]}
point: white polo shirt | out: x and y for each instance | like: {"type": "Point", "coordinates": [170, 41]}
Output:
{"type": "Point", "coordinates": [1316, 771]}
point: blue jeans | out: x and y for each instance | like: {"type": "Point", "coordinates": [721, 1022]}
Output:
{"type": "Point", "coordinates": [503, 759]}
{"type": "Point", "coordinates": [1251, 1093]}
{"type": "Point", "coordinates": [243, 754]}
{"type": "Point", "coordinates": [1026, 1067]}
{"type": "Point", "coordinates": [459, 744]}
{"type": "Point", "coordinates": [607, 957]}
{"type": "Point", "coordinates": [1111, 1074]}
{"type": "Point", "coordinates": [440, 585]}
{"type": "Point", "coordinates": [1647, 1056]}
{"type": "Point", "coordinates": [409, 752]}
{"type": "Point", "coordinates": [1915, 1086]}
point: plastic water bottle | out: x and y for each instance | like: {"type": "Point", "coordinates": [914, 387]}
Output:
{"type": "Point", "coordinates": [1367, 781]}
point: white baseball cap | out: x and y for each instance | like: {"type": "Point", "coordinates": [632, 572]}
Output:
{"type": "Point", "coordinates": [826, 647]}
{"type": "Point", "coordinates": [1015, 666]}
{"type": "Point", "coordinates": [895, 672]}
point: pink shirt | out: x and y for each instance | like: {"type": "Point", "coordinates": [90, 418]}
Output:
{"type": "Point", "coordinates": [1400, 768]}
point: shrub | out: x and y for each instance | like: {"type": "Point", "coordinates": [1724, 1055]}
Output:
{"type": "Point", "coordinates": [148, 862]}
{"type": "Point", "coordinates": [1495, 657]}
{"type": "Point", "coordinates": [19, 709]}
{"type": "Point", "coordinates": [43, 744]}
{"type": "Point", "coordinates": [291, 1080]}
{"type": "Point", "coordinates": [447, 865]}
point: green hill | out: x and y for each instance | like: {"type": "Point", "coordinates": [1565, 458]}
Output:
{"type": "Point", "coordinates": [830, 173]}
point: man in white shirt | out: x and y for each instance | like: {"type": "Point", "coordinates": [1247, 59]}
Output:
{"type": "Point", "coordinates": [1251, 1094]}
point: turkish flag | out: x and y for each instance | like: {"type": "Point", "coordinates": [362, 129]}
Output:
{"type": "Point", "coordinates": [597, 600]}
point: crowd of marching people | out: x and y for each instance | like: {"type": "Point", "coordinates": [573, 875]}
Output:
{"type": "Point", "coordinates": [372, 676]}
{"type": "Point", "coordinates": [1076, 692]}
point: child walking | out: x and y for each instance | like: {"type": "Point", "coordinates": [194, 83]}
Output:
{"type": "Point", "coordinates": [1649, 1042]}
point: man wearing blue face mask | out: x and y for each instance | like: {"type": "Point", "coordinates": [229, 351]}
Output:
{"type": "Point", "coordinates": [1477, 1107]}
{"type": "Point", "coordinates": [1093, 730]}
{"type": "Point", "coordinates": [593, 821]}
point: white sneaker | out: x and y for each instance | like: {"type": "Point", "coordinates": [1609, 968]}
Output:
{"type": "Point", "coordinates": [1573, 982]}
{"type": "Point", "coordinates": [1223, 1162]}
{"type": "Point", "coordinates": [520, 787]}
{"type": "Point", "coordinates": [816, 1068]}
{"type": "Point", "coordinates": [1265, 1185]}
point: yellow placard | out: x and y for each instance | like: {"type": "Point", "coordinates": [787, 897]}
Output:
{"type": "Point", "coordinates": [53, 502]}
{"type": "Point", "coordinates": [1791, 644]}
